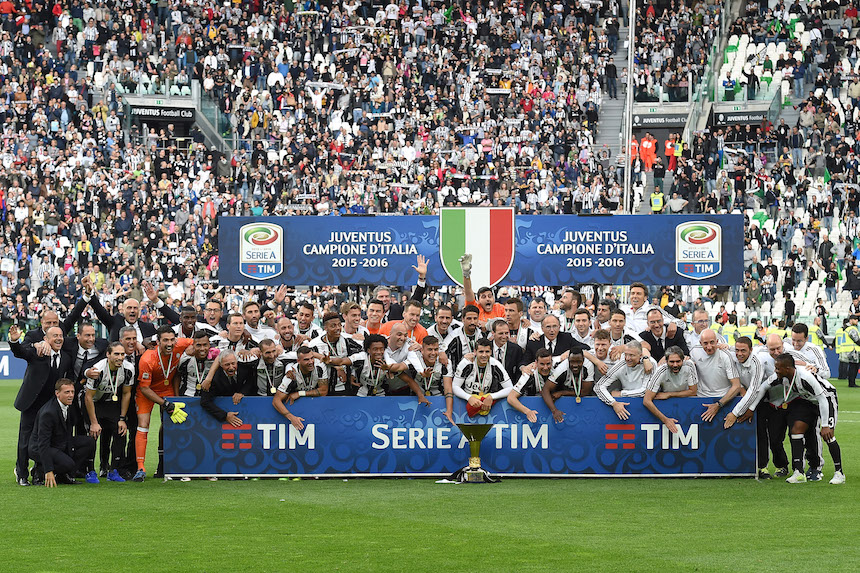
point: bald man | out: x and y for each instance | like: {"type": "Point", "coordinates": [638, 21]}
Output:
{"type": "Point", "coordinates": [37, 388]}
{"type": "Point", "coordinates": [129, 314]}
{"type": "Point", "coordinates": [50, 319]}
{"type": "Point", "coordinates": [718, 373]}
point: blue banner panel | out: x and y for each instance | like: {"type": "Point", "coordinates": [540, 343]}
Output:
{"type": "Point", "coordinates": [547, 249]}
{"type": "Point", "coordinates": [395, 436]}
{"type": "Point", "coordinates": [11, 368]}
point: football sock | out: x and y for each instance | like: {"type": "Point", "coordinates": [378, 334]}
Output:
{"type": "Point", "coordinates": [140, 446]}
{"type": "Point", "coordinates": [797, 452]}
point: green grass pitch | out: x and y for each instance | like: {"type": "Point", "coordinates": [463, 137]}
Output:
{"type": "Point", "coordinates": [411, 525]}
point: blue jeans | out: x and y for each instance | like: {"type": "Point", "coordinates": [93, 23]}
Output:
{"type": "Point", "coordinates": [831, 293]}
{"type": "Point", "coordinates": [797, 156]}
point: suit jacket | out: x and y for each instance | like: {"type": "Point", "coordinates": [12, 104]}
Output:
{"type": "Point", "coordinates": [39, 378]}
{"type": "Point", "coordinates": [38, 335]}
{"type": "Point", "coordinates": [513, 358]}
{"type": "Point", "coordinates": [563, 343]}
{"type": "Point", "coordinates": [71, 347]}
{"type": "Point", "coordinates": [115, 323]}
{"type": "Point", "coordinates": [51, 432]}
{"type": "Point", "coordinates": [658, 350]}
{"type": "Point", "coordinates": [221, 386]}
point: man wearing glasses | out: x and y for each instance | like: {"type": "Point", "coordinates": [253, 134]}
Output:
{"type": "Point", "coordinates": [700, 324]}
{"type": "Point", "coordinates": [212, 318]}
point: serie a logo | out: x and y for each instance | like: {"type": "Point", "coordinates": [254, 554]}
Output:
{"type": "Point", "coordinates": [698, 249]}
{"type": "Point", "coordinates": [261, 250]}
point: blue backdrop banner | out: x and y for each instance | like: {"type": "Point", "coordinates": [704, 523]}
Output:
{"type": "Point", "coordinates": [524, 250]}
{"type": "Point", "coordinates": [11, 368]}
{"type": "Point", "coordinates": [394, 436]}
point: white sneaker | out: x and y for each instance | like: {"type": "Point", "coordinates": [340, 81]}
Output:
{"type": "Point", "coordinates": [838, 478]}
{"type": "Point", "coordinates": [466, 265]}
{"type": "Point", "coordinates": [797, 477]}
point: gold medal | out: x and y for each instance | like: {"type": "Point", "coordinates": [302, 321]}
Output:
{"type": "Point", "coordinates": [785, 406]}
{"type": "Point", "coordinates": [271, 390]}
{"type": "Point", "coordinates": [200, 386]}
{"type": "Point", "coordinates": [578, 399]}
{"type": "Point", "coordinates": [114, 398]}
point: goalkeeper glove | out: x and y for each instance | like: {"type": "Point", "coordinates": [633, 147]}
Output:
{"type": "Point", "coordinates": [466, 265]}
{"type": "Point", "coordinates": [178, 415]}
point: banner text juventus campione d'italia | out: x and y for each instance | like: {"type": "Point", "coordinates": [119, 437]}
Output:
{"type": "Point", "coordinates": [507, 249]}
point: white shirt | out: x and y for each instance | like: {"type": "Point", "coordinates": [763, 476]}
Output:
{"type": "Point", "coordinates": [664, 380]}
{"type": "Point", "coordinates": [812, 354]}
{"type": "Point", "coordinates": [64, 409]}
{"type": "Point", "coordinates": [715, 371]}
{"type": "Point", "coordinates": [637, 319]}
{"type": "Point", "coordinates": [633, 380]}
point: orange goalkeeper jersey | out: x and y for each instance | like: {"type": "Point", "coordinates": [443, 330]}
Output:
{"type": "Point", "coordinates": [158, 374]}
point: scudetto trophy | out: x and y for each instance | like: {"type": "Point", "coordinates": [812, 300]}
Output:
{"type": "Point", "coordinates": [474, 473]}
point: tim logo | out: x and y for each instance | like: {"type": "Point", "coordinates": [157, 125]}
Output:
{"type": "Point", "coordinates": [698, 249]}
{"type": "Point", "coordinates": [233, 438]}
{"type": "Point", "coordinates": [620, 436]}
{"type": "Point", "coordinates": [261, 250]}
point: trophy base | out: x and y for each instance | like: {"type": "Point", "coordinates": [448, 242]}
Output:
{"type": "Point", "coordinates": [473, 475]}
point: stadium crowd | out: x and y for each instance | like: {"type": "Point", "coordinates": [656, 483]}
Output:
{"type": "Point", "coordinates": [79, 388]}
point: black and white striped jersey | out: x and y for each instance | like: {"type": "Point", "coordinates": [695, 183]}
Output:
{"type": "Point", "coordinates": [372, 381]}
{"type": "Point", "coordinates": [531, 385]}
{"type": "Point", "coordinates": [268, 377]}
{"type": "Point", "coordinates": [303, 382]}
{"type": "Point", "coordinates": [565, 379]}
{"type": "Point", "coordinates": [462, 344]}
{"type": "Point", "coordinates": [431, 385]}
{"type": "Point", "coordinates": [108, 384]}
{"type": "Point", "coordinates": [311, 332]}
{"type": "Point", "coordinates": [192, 372]}
{"type": "Point", "coordinates": [227, 344]}
{"type": "Point", "coordinates": [803, 385]}
{"type": "Point", "coordinates": [341, 348]}
{"type": "Point", "coordinates": [471, 379]}
{"type": "Point", "coordinates": [810, 353]}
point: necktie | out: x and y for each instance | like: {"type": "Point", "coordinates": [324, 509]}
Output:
{"type": "Point", "coordinates": [82, 358]}
{"type": "Point", "coordinates": [550, 346]}
{"type": "Point", "coordinates": [499, 355]}
{"type": "Point", "coordinates": [55, 362]}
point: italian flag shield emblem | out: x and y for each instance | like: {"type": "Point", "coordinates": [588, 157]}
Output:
{"type": "Point", "coordinates": [486, 233]}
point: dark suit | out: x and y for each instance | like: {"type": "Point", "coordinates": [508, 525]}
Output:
{"type": "Point", "coordinates": [36, 390]}
{"type": "Point", "coordinates": [513, 358]}
{"type": "Point", "coordinates": [52, 445]}
{"type": "Point", "coordinates": [116, 322]}
{"type": "Point", "coordinates": [71, 346]}
{"type": "Point", "coordinates": [658, 349]}
{"type": "Point", "coordinates": [563, 343]}
{"type": "Point", "coordinates": [222, 386]}
{"type": "Point", "coordinates": [395, 310]}
{"type": "Point", "coordinates": [38, 335]}
{"type": "Point", "coordinates": [129, 462]}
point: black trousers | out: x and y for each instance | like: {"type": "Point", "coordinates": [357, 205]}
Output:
{"type": "Point", "coordinates": [25, 430]}
{"type": "Point", "coordinates": [853, 367]}
{"type": "Point", "coordinates": [129, 458]}
{"type": "Point", "coordinates": [111, 444]}
{"type": "Point", "coordinates": [771, 427]}
{"type": "Point", "coordinates": [83, 448]}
